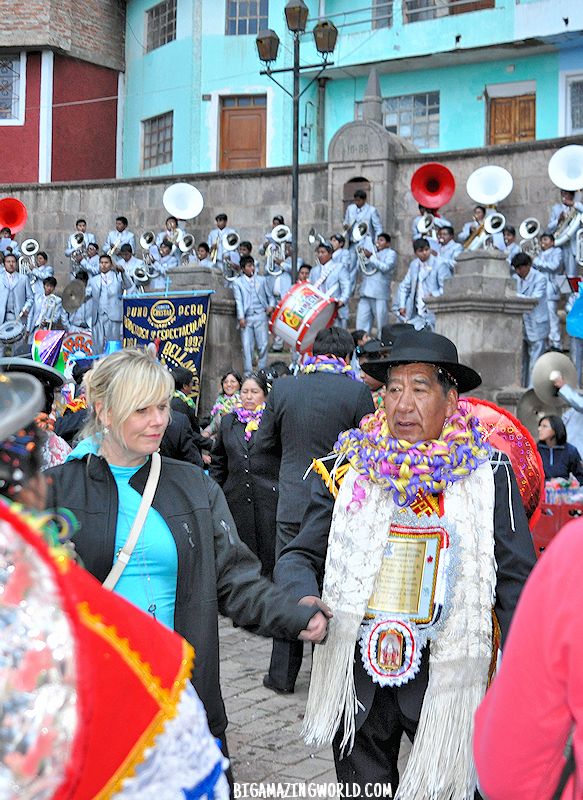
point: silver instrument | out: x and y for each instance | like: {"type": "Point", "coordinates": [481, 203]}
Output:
{"type": "Point", "coordinates": [145, 274]}
{"type": "Point", "coordinates": [364, 265]}
{"type": "Point", "coordinates": [230, 242]}
{"type": "Point", "coordinates": [27, 261]}
{"type": "Point", "coordinates": [114, 247]}
{"type": "Point", "coordinates": [579, 247]}
{"type": "Point", "coordinates": [80, 251]}
{"type": "Point", "coordinates": [147, 239]}
{"type": "Point", "coordinates": [186, 245]}
{"type": "Point", "coordinates": [566, 172]}
{"type": "Point", "coordinates": [51, 303]}
{"type": "Point", "coordinates": [276, 249]}
{"type": "Point", "coordinates": [488, 186]}
{"type": "Point", "coordinates": [528, 231]}
{"type": "Point", "coordinates": [426, 224]}
{"type": "Point", "coordinates": [315, 238]}
{"type": "Point", "coordinates": [358, 231]}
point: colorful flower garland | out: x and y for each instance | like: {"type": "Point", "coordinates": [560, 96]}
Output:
{"type": "Point", "coordinates": [403, 468]}
{"type": "Point", "coordinates": [328, 364]}
{"type": "Point", "coordinates": [250, 419]}
{"type": "Point", "coordinates": [186, 399]}
{"type": "Point", "coordinates": [224, 404]}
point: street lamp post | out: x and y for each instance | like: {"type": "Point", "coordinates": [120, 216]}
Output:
{"type": "Point", "coordinates": [325, 35]}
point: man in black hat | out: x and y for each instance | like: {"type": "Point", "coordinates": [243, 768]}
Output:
{"type": "Point", "coordinates": [421, 565]}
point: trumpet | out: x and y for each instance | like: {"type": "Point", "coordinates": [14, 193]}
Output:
{"type": "Point", "coordinates": [27, 261]}
{"type": "Point", "coordinates": [528, 231]}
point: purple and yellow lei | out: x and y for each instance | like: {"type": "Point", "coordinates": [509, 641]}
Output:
{"type": "Point", "coordinates": [250, 419]}
{"type": "Point", "coordinates": [403, 468]}
{"type": "Point", "coordinates": [328, 364]}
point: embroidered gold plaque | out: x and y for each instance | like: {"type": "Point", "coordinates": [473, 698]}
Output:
{"type": "Point", "coordinates": [405, 583]}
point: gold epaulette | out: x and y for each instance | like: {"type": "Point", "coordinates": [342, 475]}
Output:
{"type": "Point", "coordinates": [332, 480]}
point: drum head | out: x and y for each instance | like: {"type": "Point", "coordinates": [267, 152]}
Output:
{"type": "Point", "coordinates": [11, 331]}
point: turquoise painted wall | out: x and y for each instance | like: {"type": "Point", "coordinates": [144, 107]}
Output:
{"type": "Point", "coordinates": [203, 61]}
{"type": "Point", "coordinates": [462, 103]}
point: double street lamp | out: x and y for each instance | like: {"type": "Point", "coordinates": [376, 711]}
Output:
{"type": "Point", "coordinates": [325, 35]}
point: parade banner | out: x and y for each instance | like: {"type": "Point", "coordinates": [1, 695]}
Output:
{"type": "Point", "coordinates": [175, 324]}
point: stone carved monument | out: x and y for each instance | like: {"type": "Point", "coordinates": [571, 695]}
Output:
{"type": "Point", "coordinates": [365, 149]}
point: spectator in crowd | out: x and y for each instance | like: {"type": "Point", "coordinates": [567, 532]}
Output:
{"type": "Point", "coordinates": [560, 459]}
{"type": "Point", "coordinates": [248, 472]}
{"type": "Point", "coordinates": [226, 400]}
{"type": "Point", "coordinates": [188, 563]}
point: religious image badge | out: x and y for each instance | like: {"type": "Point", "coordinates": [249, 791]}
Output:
{"type": "Point", "coordinates": [408, 603]}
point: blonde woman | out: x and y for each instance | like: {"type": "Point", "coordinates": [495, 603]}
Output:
{"type": "Point", "coordinates": [188, 563]}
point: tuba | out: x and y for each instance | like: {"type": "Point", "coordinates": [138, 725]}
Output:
{"type": "Point", "coordinates": [528, 231]}
{"type": "Point", "coordinates": [27, 261]}
{"type": "Point", "coordinates": [488, 186]}
{"type": "Point", "coordinates": [566, 172]}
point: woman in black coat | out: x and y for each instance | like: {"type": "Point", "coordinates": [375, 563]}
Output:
{"type": "Point", "coordinates": [247, 473]}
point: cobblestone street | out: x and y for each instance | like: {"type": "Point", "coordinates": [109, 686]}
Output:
{"type": "Point", "coordinates": [264, 727]}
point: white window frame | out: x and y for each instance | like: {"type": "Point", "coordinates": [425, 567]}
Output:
{"type": "Point", "coordinates": [565, 80]}
{"type": "Point", "coordinates": [21, 110]}
{"type": "Point", "coordinates": [162, 164]}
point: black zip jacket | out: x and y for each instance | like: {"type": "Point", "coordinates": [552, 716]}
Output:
{"type": "Point", "coordinates": [217, 573]}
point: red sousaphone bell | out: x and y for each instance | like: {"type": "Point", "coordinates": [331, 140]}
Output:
{"type": "Point", "coordinates": [432, 185]}
{"type": "Point", "coordinates": [13, 214]}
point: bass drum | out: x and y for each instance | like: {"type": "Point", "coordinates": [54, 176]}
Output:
{"type": "Point", "coordinates": [11, 332]}
{"type": "Point", "coordinates": [301, 314]}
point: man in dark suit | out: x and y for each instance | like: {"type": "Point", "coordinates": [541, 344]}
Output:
{"type": "Point", "coordinates": [302, 419]}
{"type": "Point", "coordinates": [419, 673]}
{"type": "Point", "coordinates": [183, 403]}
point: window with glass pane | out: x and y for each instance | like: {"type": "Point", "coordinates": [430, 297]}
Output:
{"type": "Point", "coordinates": [576, 106]}
{"type": "Point", "coordinates": [412, 116]}
{"type": "Point", "coordinates": [157, 140]}
{"type": "Point", "coordinates": [160, 24]}
{"type": "Point", "coordinates": [9, 85]}
{"type": "Point", "coordinates": [382, 14]}
{"type": "Point", "coordinates": [246, 17]}
{"type": "Point", "coordinates": [419, 10]}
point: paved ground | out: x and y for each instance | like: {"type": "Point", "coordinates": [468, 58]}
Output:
{"type": "Point", "coordinates": [263, 732]}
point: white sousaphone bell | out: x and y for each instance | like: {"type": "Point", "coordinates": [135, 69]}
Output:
{"type": "Point", "coordinates": [566, 172]}
{"type": "Point", "coordinates": [488, 186]}
{"type": "Point", "coordinates": [183, 201]}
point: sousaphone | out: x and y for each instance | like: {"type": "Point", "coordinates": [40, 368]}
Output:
{"type": "Point", "coordinates": [183, 201]}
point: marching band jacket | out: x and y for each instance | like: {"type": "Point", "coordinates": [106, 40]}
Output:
{"type": "Point", "coordinates": [536, 322]}
{"type": "Point", "coordinates": [432, 282]}
{"type": "Point", "coordinates": [216, 572]}
{"type": "Point", "coordinates": [114, 289]}
{"type": "Point", "coordinates": [368, 214]}
{"type": "Point", "coordinates": [300, 569]}
{"type": "Point", "coordinates": [22, 292]}
{"type": "Point", "coordinates": [378, 285]}
{"type": "Point", "coordinates": [550, 263]}
{"type": "Point", "coordinates": [116, 239]}
{"type": "Point", "coordinates": [243, 289]}
{"type": "Point", "coordinates": [556, 211]}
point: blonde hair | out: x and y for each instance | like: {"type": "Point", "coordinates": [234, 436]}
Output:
{"type": "Point", "coordinates": [124, 382]}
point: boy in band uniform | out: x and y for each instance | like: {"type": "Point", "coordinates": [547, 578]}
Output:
{"type": "Point", "coordinates": [254, 306]}
{"type": "Point", "coordinates": [88, 238]}
{"type": "Point", "coordinates": [425, 278]}
{"type": "Point", "coordinates": [550, 262]}
{"type": "Point", "coordinates": [121, 235]}
{"type": "Point", "coordinates": [558, 214]}
{"type": "Point", "coordinates": [535, 323]}
{"type": "Point", "coordinates": [375, 289]}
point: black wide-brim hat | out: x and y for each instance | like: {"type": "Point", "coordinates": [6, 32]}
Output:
{"type": "Point", "coordinates": [421, 347]}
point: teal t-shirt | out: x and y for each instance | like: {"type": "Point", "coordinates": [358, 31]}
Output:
{"type": "Point", "coordinates": [150, 577]}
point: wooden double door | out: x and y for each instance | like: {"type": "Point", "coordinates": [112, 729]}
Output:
{"type": "Point", "coordinates": [512, 119]}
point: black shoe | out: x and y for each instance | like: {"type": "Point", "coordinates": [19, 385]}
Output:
{"type": "Point", "coordinates": [268, 683]}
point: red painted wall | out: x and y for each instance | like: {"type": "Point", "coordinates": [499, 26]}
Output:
{"type": "Point", "coordinates": [19, 143]}
{"type": "Point", "coordinates": [84, 134]}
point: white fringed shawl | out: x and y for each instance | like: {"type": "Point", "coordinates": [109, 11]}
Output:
{"type": "Point", "coordinates": [440, 766]}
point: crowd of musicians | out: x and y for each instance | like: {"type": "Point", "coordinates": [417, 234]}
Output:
{"type": "Point", "coordinates": [357, 262]}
